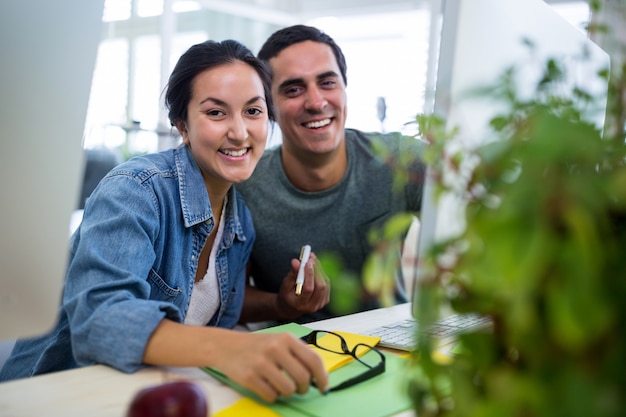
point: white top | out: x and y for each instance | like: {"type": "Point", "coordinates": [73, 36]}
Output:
{"type": "Point", "coordinates": [205, 297]}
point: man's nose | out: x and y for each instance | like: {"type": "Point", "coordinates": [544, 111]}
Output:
{"type": "Point", "coordinates": [315, 100]}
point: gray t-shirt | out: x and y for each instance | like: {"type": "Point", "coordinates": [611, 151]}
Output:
{"type": "Point", "coordinates": [333, 221]}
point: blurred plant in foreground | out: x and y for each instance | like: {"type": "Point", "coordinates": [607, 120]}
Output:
{"type": "Point", "coordinates": [542, 254]}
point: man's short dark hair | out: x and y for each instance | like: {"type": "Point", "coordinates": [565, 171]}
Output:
{"type": "Point", "coordinates": [288, 36]}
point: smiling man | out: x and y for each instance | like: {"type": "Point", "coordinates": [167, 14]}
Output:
{"type": "Point", "coordinates": [324, 185]}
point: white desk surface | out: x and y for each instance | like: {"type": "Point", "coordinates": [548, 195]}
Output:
{"type": "Point", "coordinates": [99, 390]}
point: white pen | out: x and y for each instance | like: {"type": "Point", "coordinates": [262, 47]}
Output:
{"type": "Point", "coordinates": [305, 252]}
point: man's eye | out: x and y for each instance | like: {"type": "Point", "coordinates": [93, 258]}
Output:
{"type": "Point", "coordinates": [293, 91]}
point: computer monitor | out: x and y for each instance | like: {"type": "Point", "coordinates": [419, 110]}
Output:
{"type": "Point", "coordinates": [48, 51]}
{"type": "Point", "coordinates": [480, 39]}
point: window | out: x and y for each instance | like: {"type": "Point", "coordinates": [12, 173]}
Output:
{"type": "Point", "coordinates": [387, 56]}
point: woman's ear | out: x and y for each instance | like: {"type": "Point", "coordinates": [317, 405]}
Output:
{"type": "Point", "coordinates": [182, 129]}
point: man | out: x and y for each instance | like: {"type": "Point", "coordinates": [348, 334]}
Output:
{"type": "Point", "coordinates": [324, 186]}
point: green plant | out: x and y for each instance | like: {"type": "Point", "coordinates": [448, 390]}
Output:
{"type": "Point", "coordinates": [542, 254]}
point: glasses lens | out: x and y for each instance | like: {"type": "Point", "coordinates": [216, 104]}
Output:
{"type": "Point", "coordinates": [369, 364]}
{"type": "Point", "coordinates": [367, 355]}
{"type": "Point", "coordinates": [331, 342]}
{"type": "Point", "coordinates": [370, 361]}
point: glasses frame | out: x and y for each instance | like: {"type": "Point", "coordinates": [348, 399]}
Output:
{"type": "Point", "coordinates": [371, 372]}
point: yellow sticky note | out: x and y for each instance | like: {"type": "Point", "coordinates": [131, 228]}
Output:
{"type": "Point", "coordinates": [332, 360]}
{"type": "Point", "coordinates": [246, 407]}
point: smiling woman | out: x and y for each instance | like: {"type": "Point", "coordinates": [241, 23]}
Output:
{"type": "Point", "coordinates": [158, 263]}
{"type": "Point", "coordinates": [227, 123]}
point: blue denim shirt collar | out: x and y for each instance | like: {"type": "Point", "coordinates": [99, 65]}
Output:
{"type": "Point", "coordinates": [194, 197]}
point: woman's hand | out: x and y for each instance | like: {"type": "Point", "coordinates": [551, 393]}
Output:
{"type": "Point", "coordinates": [272, 365]}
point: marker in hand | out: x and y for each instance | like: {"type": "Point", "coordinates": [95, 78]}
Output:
{"type": "Point", "coordinates": [305, 252]}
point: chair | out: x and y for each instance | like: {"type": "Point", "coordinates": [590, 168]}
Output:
{"type": "Point", "coordinates": [98, 163]}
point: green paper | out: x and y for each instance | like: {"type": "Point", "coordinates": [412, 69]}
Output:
{"type": "Point", "coordinates": [381, 396]}
{"type": "Point", "coordinates": [295, 329]}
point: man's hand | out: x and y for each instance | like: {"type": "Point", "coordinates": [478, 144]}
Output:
{"type": "Point", "coordinates": [315, 290]}
{"type": "Point", "coordinates": [262, 305]}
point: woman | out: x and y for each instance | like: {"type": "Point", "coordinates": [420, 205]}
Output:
{"type": "Point", "coordinates": [157, 266]}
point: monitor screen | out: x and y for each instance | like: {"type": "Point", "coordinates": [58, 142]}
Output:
{"type": "Point", "coordinates": [480, 40]}
{"type": "Point", "coordinates": [48, 55]}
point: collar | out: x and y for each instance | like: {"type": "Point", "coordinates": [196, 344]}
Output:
{"type": "Point", "coordinates": [194, 198]}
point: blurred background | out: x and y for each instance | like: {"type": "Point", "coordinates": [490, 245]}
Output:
{"type": "Point", "coordinates": [389, 45]}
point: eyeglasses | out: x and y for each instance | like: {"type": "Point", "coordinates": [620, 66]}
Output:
{"type": "Point", "coordinates": [367, 355]}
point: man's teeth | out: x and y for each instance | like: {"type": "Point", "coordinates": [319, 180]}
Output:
{"type": "Point", "coordinates": [318, 124]}
{"type": "Point", "coordinates": [231, 152]}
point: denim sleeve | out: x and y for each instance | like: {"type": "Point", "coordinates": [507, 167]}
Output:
{"type": "Point", "coordinates": [107, 296]}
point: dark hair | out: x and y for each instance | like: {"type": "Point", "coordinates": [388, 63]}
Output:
{"type": "Point", "coordinates": [204, 56]}
{"type": "Point", "coordinates": [288, 36]}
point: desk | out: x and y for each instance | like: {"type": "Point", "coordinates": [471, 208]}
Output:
{"type": "Point", "coordinates": [101, 391]}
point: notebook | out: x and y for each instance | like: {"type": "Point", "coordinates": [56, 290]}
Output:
{"type": "Point", "coordinates": [383, 395]}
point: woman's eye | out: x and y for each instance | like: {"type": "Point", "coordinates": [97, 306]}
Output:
{"type": "Point", "coordinates": [215, 113]}
{"type": "Point", "coordinates": [254, 112]}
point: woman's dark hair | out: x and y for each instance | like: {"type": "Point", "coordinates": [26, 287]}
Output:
{"type": "Point", "coordinates": [204, 56]}
{"type": "Point", "coordinates": [288, 36]}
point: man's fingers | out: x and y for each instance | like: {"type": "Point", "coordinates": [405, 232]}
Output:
{"type": "Point", "coordinates": [315, 289]}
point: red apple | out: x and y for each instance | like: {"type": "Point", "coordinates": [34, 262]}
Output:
{"type": "Point", "coordinates": [172, 399]}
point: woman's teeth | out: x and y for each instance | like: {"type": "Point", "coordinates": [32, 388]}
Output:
{"type": "Point", "coordinates": [232, 152]}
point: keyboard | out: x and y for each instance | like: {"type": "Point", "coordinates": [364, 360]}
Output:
{"type": "Point", "coordinates": [402, 334]}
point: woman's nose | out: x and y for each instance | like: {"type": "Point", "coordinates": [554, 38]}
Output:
{"type": "Point", "coordinates": [238, 129]}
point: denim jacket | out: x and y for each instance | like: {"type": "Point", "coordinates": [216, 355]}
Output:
{"type": "Point", "coordinates": [133, 263]}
